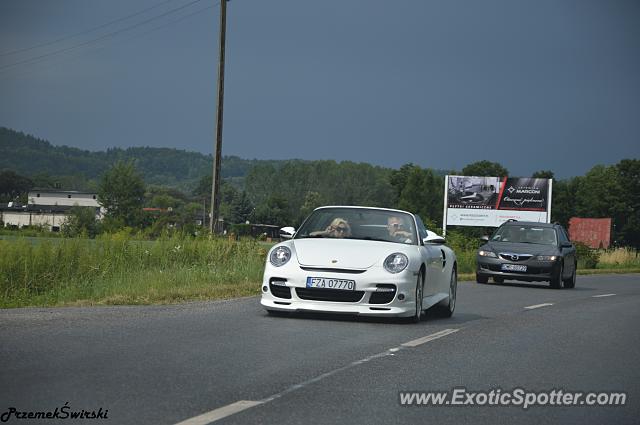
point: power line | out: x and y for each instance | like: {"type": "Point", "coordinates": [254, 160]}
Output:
{"type": "Point", "coordinates": [142, 34]}
{"type": "Point", "coordinates": [98, 39]}
{"type": "Point", "coordinates": [67, 37]}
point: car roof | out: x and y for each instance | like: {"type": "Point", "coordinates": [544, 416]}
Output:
{"type": "Point", "coordinates": [528, 223]}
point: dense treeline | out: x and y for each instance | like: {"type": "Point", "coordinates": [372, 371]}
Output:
{"type": "Point", "coordinates": [50, 166]}
{"type": "Point", "coordinates": [284, 192]}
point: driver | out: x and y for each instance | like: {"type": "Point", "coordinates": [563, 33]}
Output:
{"type": "Point", "coordinates": [397, 229]}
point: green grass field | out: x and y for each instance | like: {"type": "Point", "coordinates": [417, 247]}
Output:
{"type": "Point", "coordinates": [119, 269]}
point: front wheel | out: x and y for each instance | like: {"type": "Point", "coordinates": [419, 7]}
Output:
{"type": "Point", "coordinates": [571, 282]}
{"type": "Point", "coordinates": [417, 316]}
{"type": "Point", "coordinates": [556, 281]}
{"type": "Point", "coordinates": [481, 279]}
{"type": "Point", "coordinates": [448, 309]}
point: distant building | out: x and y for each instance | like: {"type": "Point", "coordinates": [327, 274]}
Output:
{"type": "Point", "coordinates": [63, 198]}
{"type": "Point", "coordinates": [594, 232]}
{"type": "Point", "coordinates": [47, 208]}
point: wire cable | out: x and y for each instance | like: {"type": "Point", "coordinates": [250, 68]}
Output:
{"type": "Point", "coordinates": [98, 39]}
{"type": "Point", "coordinates": [90, 30]}
{"type": "Point", "coordinates": [135, 36]}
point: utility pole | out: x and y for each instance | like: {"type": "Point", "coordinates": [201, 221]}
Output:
{"type": "Point", "coordinates": [217, 152]}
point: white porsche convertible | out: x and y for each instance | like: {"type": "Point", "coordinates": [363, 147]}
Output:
{"type": "Point", "coordinates": [361, 260]}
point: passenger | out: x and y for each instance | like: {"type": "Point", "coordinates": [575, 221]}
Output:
{"type": "Point", "coordinates": [339, 228]}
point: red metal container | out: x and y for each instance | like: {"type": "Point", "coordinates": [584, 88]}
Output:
{"type": "Point", "coordinates": [594, 232]}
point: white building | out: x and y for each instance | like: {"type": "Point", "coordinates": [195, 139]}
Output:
{"type": "Point", "coordinates": [63, 198]}
{"type": "Point", "coordinates": [48, 208]}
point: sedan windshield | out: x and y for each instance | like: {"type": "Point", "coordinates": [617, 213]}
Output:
{"type": "Point", "coordinates": [526, 234]}
{"type": "Point", "coordinates": [359, 223]}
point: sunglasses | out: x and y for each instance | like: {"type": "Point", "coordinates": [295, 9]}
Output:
{"type": "Point", "coordinates": [342, 229]}
{"type": "Point", "coordinates": [397, 225]}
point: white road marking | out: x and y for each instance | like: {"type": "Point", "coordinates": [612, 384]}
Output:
{"type": "Point", "coordinates": [221, 412]}
{"type": "Point", "coordinates": [428, 338]}
{"type": "Point", "coordinates": [239, 406]}
{"type": "Point", "coordinates": [531, 307]}
{"type": "Point", "coordinates": [603, 295]}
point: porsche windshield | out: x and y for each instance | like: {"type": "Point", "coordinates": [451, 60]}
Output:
{"type": "Point", "coordinates": [359, 223]}
{"type": "Point", "coordinates": [526, 234]}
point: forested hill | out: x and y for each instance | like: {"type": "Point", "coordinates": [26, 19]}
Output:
{"type": "Point", "coordinates": [30, 156]}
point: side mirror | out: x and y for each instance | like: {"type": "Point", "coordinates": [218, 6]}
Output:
{"type": "Point", "coordinates": [287, 232]}
{"type": "Point", "coordinates": [433, 238]}
{"type": "Point", "coordinates": [485, 238]}
{"type": "Point", "coordinates": [566, 245]}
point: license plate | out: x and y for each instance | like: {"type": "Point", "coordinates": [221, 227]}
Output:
{"type": "Point", "coordinates": [327, 283]}
{"type": "Point", "coordinates": [514, 267]}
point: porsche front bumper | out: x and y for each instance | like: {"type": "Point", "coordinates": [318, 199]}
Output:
{"type": "Point", "coordinates": [377, 292]}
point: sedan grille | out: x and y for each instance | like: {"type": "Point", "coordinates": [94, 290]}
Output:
{"type": "Point", "coordinates": [324, 294]}
{"type": "Point", "coordinates": [515, 257]}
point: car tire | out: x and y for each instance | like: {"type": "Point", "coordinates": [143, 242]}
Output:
{"type": "Point", "coordinates": [498, 279]}
{"type": "Point", "coordinates": [571, 282]}
{"type": "Point", "coordinates": [417, 316]}
{"type": "Point", "coordinates": [556, 281]}
{"type": "Point", "coordinates": [448, 309]}
{"type": "Point", "coordinates": [481, 279]}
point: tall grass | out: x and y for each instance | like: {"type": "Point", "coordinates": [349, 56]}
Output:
{"type": "Point", "coordinates": [118, 269]}
{"type": "Point", "coordinates": [619, 258]}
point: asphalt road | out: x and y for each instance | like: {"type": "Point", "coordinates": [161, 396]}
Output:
{"type": "Point", "coordinates": [167, 364]}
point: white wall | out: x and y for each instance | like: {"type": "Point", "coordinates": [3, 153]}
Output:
{"type": "Point", "coordinates": [18, 218]}
{"type": "Point", "coordinates": [67, 199]}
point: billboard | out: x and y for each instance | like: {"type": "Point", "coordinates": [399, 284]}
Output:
{"type": "Point", "coordinates": [490, 201]}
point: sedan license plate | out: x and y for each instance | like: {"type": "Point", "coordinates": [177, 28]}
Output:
{"type": "Point", "coordinates": [514, 267]}
{"type": "Point", "coordinates": [327, 283]}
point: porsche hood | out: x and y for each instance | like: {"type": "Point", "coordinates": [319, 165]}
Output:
{"type": "Point", "coordinates": [342, 253]}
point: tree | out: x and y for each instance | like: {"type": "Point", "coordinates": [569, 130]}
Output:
{"type": "Point", "coordinates": [13, 185]}
{"type": "Point", "coordinates": [485, 169]}
{"type": "Point", "coordinates": [398, 179]}
{"type": "Point", "coordinates": [272, 211]}
{"type": "Point", "coordinates": [241, 209]}
{"type": "Point", "coordinates": [423, 194]}
{"type": "Point", "coordinates": [628, 224]}
{"type": "Point", "coordinates": [121, 193]}
{"type": "Point", "coordinates": [543, 174]}
{"type": "Point", "coordinates": [81, 222]}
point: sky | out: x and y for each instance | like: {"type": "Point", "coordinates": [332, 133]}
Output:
{"type": "Point", "coordinates": [533, 85]}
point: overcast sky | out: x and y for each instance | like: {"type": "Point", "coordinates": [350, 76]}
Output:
{"type": "Point", "coordinates": [530, 84]}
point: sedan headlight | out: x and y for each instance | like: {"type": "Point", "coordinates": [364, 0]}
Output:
{"type": "Point", "coordinates": [483, 253]}
{"type": "Point", "coordinates": [396, 262]}
{"type": "Point", "coordinates": [280, 256]}
{"type": "Point", "coordinates": [546, 258]}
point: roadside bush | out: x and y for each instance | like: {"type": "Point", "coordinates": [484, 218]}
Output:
{"type": "Point", "coordinates": [587, 257]}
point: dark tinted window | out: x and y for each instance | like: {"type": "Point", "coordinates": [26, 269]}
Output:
{"type": "Point", "coordinates": [526, 234]}
{"type": "Point", "coordinates": [562, 234]}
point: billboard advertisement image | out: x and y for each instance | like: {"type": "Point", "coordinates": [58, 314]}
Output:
{"type": "Point", "coordinates": [490, 201]}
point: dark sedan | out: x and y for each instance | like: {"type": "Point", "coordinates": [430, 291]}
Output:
{"type": "Point", "coordinates": [529, 252]}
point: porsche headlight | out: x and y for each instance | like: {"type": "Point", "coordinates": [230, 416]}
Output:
{"type": "Point", "coordinates": [546, 258]}
{"type": "Point", "coordinates": [484, 253]}
{"type": "Point", "coordinates": [280, 256]}
{"type": "Point", "coordinates": [396, 262]}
